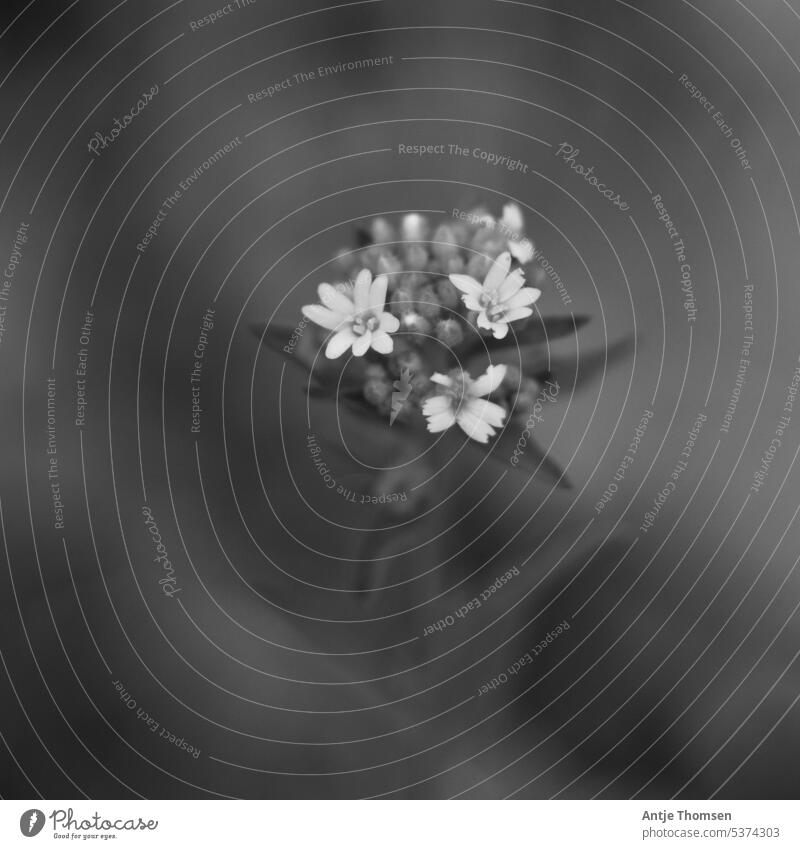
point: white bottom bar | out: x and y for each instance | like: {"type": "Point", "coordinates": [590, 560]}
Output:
{"type": "Point", "coordinates": [402, 824]}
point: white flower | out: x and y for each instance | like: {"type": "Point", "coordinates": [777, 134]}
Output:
{"type": "Point", "coordinates": [501, 299]}
{"type": "Point", "coordinates": [358, 321]}
{"type": "Point", "coordinates": [460, 402]}
{"type": "Point", "coordinates": [512, 224]}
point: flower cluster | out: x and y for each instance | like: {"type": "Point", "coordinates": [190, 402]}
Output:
{"type": "Point", "coordinates": [419, 302]}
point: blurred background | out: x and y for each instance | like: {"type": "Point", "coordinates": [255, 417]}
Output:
{"type": "Point", "coordinates": [294, 654]}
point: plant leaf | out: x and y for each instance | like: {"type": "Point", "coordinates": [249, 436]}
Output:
{"type": "Point", "coordinates": [543, 330]}
{"type": "Point", "coordinates": [531, 461]}
{"type": "Point", "coordinates": [575, 372]}
{"type": "Point", "coordinates": [349, 396]}
{"type": "Point", "coordinates": [536, 331]}
{"type": "Point", "coordinates": [276, 337]}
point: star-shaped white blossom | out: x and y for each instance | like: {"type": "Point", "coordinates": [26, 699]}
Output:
{"type": "Point", "coordinates": [359, 322]}
{"type": "Point", "coordinates": [501, 299]}
{"type": "Point", "coordinates": [460, 401]}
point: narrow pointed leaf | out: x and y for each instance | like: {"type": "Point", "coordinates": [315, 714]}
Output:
{"type": "Point", "coordinates": [276, 337]}
{"type": "Point", "coordinates": [536, 331]}
{"type": "Point", "coordinates": [590, 364]}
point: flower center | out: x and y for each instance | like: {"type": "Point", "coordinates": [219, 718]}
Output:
{"type": "Point", "coordinates": [494, 311]}
{"type": "Point", "coordinates": [457, 392]}
{"type": "Point", "coordinates": [363, 323]}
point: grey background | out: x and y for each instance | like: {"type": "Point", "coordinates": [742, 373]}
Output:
{"type": "Point", "coordinates": [689, 643]}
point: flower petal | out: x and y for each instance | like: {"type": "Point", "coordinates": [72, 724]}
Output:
{"type": "Point", "coordinates": [334, 300]}
{"type": "Point", "coordinates": [361, 290]}
{"type": "Point", "coordinates": [436, 404]}
{"type": "Point", "coordinates": [472, 303]}
{"type": "Point", "coordinates": [483, 321]}
{"type": "Point", "coordinates": [499, 330]}
{"type": "Point", "coordinates": [498, 272]}
{"type": "Point", "coordinates": [441, 421]}
{"type": "Point", "coordinates": [523, 251]}
{"type": "Point", "coordinates": [512, 217]}
{"type": "Point", "coordinates": [339, 343]}
{"type": "Point", "coordinates": [518, 313]}
{"type": "Point", "coordinates": [361, 344]}
{"type": "Point", "coordinates": [377, 292]}
{"type": "Point", "coordinates": [512, 284]}
{"type": "Point", "coordinates": [493, 414]}
{"type": "Point", "coordinates": [389, 323]}
{"type": "Point", "coordinates": [468, 285]}
{"type": "Point", "coordinates": [473, 425]}
{"type": "Point", "coordinates": [523, 298]}
{"type": "Point", "coordinates": [441, 379]}
{"type": "Point", "coordinates": [488, 382]}
{"type": "Point", "coordinates": [324, 317]}
{"type": "Point", "coordinates": [382, 342]}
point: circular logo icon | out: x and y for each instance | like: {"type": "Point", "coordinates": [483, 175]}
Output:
{"type": "Point", "coordinates": [31, 822]}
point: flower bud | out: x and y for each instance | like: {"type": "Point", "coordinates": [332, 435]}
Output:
{"type": "Point", "coordinates": [389, 264]}
{"type": "Point", "coordinates": [375, 371]}
{"type": "Point", "coordinates": [478, 266]}
{"type": "Point", "coordinates": [427, 303]}
{"type": "Point", "coordinates": [415, 323]}
{"type": "Point", "coordinates": [420, 384]}
{"type": "Point", "coordinates": [482, 217]}
{"type": "Point", "coordinates": [434, 269]}
{"type": "Point", "coordinates": [401, 301]}
{"type": "Point", "coordinates": [381, 230]}
{"type": "Point", "coordinates": [377, 391]}
{"type": "Point", "coordinates": [523, 250]}
{"type": "Point", "coordinates": [488, 242]}
{"type": "Point", "coordinates": [444, 243]}
{"type": "Point", "coordinates": [414, 279]}
{"type": "Point", "coordinates": [527, 394]}
{"type": "Point", "coordinates": [449, 332]}
{"type": "Point", "coordinates": [461, 232]}
{"type": "Point", "coordinates": [372, 256]}
{"type": "Point", "coordinates": [447, 293]}
{"type": "Point", "coordinates": [513, 378]}
{"type": "Point", "coordinates": [455, 265]}
{"type": "Point", "coordinates": [416, 257]}
{"type": "Point", "coordinates": [345, 260]}
{"type": "Point", "coordinates": [414, 227]}
{"type": "Point", "coordinates": [409, 360]}
{"type": "Point", "coordinates": [512, 218]}
{"type": "Point", "coordinates": [481, 236]}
